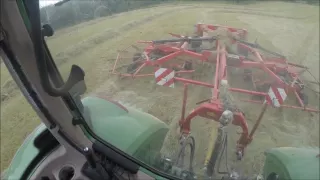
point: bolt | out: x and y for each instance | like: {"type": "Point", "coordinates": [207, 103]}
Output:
{"type": "Point", "coordinates": [86, 149]}
{"type": "Point", "coordinates": [239, 155]}
{"type": "Point", "coordinates": [226, 117]}
{"type": "Point", "coordinates": [184, 175]}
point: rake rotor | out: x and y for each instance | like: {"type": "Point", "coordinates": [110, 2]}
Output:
{"type": "Point", "coordinates": [271, 75]}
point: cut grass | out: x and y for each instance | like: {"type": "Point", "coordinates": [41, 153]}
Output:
{"type": "Point", "coordinates": [18, 119]}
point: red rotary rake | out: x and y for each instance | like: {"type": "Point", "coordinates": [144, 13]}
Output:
{"type": "Point", "coordinates": [223, 47]}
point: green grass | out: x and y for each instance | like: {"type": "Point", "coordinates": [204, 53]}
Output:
{"type": "Point", "coordinates": [18, 118]}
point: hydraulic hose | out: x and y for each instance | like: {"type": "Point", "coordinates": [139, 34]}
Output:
{"type": "Point", "coordinates": [192, 149]}
{"type": "Point", "coordinates": [220, 145]}
{"type": "Point", "coordinates": [215, 152]}
{"type": "Point", "coordinates": [224, 151]}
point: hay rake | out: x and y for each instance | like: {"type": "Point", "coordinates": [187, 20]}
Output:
{"type": "Point", "coordinates": [272, 76]}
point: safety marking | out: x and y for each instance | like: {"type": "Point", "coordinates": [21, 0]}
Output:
{"type": "Point", "coordinates": [164, 77]}
{"type": "Point", "coordinates": [276, 96]}
{"type": "Point", "coordinates": [233, 56]}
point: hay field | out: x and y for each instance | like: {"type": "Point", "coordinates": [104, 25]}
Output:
{"type": "Point", "coordinates": [291, 29]}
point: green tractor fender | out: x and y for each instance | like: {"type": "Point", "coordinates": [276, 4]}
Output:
{"type": "Point", "coordinates": [136, 133]}
{"type": "Point", "coordinates": [24, 155]}
{"type": "Point", "coordinates": [291, 163]}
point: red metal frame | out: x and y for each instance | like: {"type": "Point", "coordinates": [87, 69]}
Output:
{"type": "Point", "coordinates": [213, 108]}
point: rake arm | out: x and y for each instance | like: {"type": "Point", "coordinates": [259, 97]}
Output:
{"type": "Point", "coordinates": [257, 46]}
{"type": "Point", "coordinates": [185, 39]}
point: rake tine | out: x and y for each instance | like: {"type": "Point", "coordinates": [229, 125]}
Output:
{"type": "Point", "coordinates": [122, 51]}
{"type": "Point", "coordinates": [313, 76]}
{"type": "Point", "coordinates": [135, 47]}
{"type": "Point", "coordinates": [313, 82]}
{"type": "Point", "coordinates": [317, 92]}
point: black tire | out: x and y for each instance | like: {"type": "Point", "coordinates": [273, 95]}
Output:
{"type": "Point", "coordinates": [132, 68]}
{"type": "Point", "coordinates": [242, 51]}
{"type": "Point", "coordinates": [187, 65]}
{"type": "Point", "coordinates": [195, 44]}
{"type": "Point", "coordinates": [247, 75]}
{"type": "Point", "coordinates": [136, 57]}
{"type": "Point", "coordinates": [304, 98]}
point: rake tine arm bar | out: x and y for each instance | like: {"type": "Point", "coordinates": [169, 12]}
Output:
{"type": "Point", "coordinates": [285, 106]}
{"type": "Point", "coordinates": [251, 64]}
{"type": "Point", "coordinates": [178, 52]}
{"type": "Point", "coordinates": [215, 92]}
{"type": "Point", "coordinates": [189, 81]}
{"type": "Point", "coordinates": [254, 45]}
{"type": "Point", "coordinates": [147, 42]}
{"type": "Point", "coordinates": [231, 29]}
{"type": "Point", "coordinates": [195, 55]}
{"type": "Point", "coordinates": [285, 62]}
{"type": "Point", "coordinates": [169, 40]}
{"type": "Point", "coordinates": [277, 60]}
{"type": "Point", "coordinates": [145, 75]}
{"type": "Point", "coordinates": [176, 35]}
{"type": "Point", "coordinates": [131, 75]}
{"type": "Point", "coordinates": [184, 39]}
{"type": "Point", "coordinates": [184, 102]}
{"type": "Point", "coordinates": [168, 57]}
{"type": "Point", "coordinates": [253, 130]}
{"type": "Point", "coordinates": [251, 45]}
{"type": "Point", "coordinates": [139, 69]}
{"type": "Point", "coordinates": [248, 92]}
{"type": "Point", "coordinates": [298, 65]}
{"type": "Point", "coordinates": [263, 65]}
{"type": "Point", "coordinates": [299, 99]}
{"type": "Point", "coordinates": [146, 55]}
{"type": "Point", "coordinates": [245, 46]}
{"type": "Point", "coordinates": [279, 81]}
{"type": "Point", "coordinates": [115, 63]}
{"type": "Point", "coordinates": [270, 52]}
{"type": "Point", "coordinates": [223, 64]}
{"type": "Point", "coordinates": [245, 139]}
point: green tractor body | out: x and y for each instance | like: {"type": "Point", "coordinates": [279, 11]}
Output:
{"type": "Point", "coordinates": [136, 133]}
{"type": "Point", "coordinates": [291, 163]}
{"type": "Point", "coordinates": [141, 135]}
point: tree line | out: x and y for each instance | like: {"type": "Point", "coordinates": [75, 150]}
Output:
{"type": "Point", "coordinates": [77, 11]}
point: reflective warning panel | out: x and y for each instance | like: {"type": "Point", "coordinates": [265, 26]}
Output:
{"type": "Point", "coordinates": [164, 77]}
{"type": "Point", "coordinates": [276, 96]}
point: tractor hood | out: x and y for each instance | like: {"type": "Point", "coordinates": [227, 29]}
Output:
{"type": "Point", "coordinates": [136, 133]}
{"type": "Point", "coordinates": [126, 128]}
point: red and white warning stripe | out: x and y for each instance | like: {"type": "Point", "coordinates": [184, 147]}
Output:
{"type": "Point", "coordinates": [164, 77]}
{"type": "Point", "coordinates": [276, 96]}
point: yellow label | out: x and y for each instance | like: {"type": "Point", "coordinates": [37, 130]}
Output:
{"type": "Point", "coordinates": [211, 114]}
